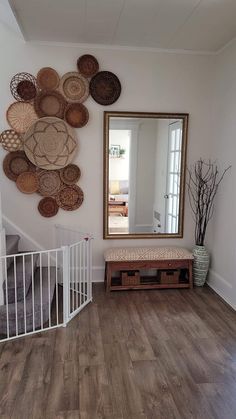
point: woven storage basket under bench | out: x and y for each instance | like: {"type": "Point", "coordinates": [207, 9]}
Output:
{"type": "Point", "coordinates": [172, 268]}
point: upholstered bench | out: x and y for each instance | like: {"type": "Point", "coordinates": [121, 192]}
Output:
{"type": "Point", "coordinates": [173, 266]}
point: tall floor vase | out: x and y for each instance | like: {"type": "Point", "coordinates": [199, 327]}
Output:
{"type": "Point", "coordinates": [200, 265]}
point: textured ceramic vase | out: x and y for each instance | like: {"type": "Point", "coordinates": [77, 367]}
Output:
{"type": "Point", "coordinates": [200, 265]}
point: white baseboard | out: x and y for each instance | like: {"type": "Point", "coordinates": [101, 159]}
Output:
{"type": "Point", "coordinates": [222, 287]}
{"type": "Point", "coordinates": [98, 273]}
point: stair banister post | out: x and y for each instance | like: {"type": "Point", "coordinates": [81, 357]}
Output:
{"type": "Point", "coordinates": [0, 211]}
{"type": "Point", "coordinates": [2, 271]}
{"type": "Point", "coordinates": [66, 283]}
{"type": "Point", "coordinates": [89, 267]}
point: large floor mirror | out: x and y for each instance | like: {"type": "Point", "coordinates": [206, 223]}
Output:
{"type": "Point", "coordinates": [144, 174]}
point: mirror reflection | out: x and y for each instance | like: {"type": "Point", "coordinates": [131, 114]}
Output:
{"type": "Point", "coordinates": [145, 156]}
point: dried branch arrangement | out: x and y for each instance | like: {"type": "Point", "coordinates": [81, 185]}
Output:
{"type": "Point", "coordinates": [203, 182]}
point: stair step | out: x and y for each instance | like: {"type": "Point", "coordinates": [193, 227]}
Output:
{"type": "Point", "coordinates": [19, 277]}
{"type": "Point", "coordinates": [47, 297]}
{"type": "Point", "coordinates": [12, 243]}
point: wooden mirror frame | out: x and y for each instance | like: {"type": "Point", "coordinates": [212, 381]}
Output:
{"type": "Point", "coordinates": [107, 115]}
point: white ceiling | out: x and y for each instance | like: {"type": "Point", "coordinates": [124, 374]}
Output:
{"type": "Point", "coordinates": [195, 25]}
{"type": "Point", "coordinates": [7, 17]}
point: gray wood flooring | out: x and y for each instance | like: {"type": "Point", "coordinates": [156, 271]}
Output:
{"type": "Point", "coordinates": [167, 354]}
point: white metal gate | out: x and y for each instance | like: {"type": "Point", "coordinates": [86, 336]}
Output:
{"type": "Point", "coordinates": [79, 292]}
{"type": "Point", "coordinates": [46, 289]}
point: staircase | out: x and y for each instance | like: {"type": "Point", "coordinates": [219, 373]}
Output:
{"type": "Point", "coordinates": [43, 289]}
{"type": "Point", "coordinates": [28, 289]}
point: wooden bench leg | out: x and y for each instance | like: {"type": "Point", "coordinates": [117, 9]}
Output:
{"type": "Point", "coordinates": [105, 276]}
{"type": "Point", "coordinates": [190, 269]}
{"type": "Point", "coordinates": [108, 277]}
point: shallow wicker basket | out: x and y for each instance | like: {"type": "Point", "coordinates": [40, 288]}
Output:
{"type": "Point", "coordinates": [27, 182]}
{"type": "Point", "coordinates": [16, 163]}
{"type": "Point", "coordinates": [20, 116]}
{"type": "Point", "coordinates": [48, 78]}
{"type": "Point", "coordinates": [74, 87]}
{"type": "Point", "coordinates": [48, 207]}
{"type": "Point", "coordinates": [70, 174]}
{"type": "Point", "coordinates": [49, 182]}
{"type": "Point", "coordinates": [23, 87]}
{"type": "Point", "coordinates": [11, 140]}
{"type": "Point", "coordinates": [70, 198]}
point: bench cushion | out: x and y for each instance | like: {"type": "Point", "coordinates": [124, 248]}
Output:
{"type": "Point", "coordinates": [116, 254]}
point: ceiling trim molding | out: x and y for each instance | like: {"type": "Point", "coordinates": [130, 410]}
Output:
{"type": "Point", "coordinates": [120, 47]}
{"type": "Point", "coordinates": [227, 45]}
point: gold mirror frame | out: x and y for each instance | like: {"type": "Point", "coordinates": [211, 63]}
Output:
{"type": "Point", "coordinates": [107, 114]}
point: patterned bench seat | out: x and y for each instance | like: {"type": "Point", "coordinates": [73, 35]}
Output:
{"type": "Point", "coordinates": [136, 258]}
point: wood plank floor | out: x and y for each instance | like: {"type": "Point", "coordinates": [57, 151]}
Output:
{"type": "Point", "coordinates": [167, 354]}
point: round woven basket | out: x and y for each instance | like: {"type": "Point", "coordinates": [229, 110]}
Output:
{"type": "Point", "coordinates": [20, 116]}
{"type": "Point", "coordinates": [70, 198]}
{"type": "Point", "coordinates": [10, 140]}
{"type": "Point", "coordinates": [105, 88]}
{"type": "Point", "coordinates": [48, 207]}
{"type": "Point", "coordinates": [76, 114]}
{"type": "Point", "coordinates": [50, 143]}
{"type": "Point", "coordinates": [70, 174]}
{"type": "Point", "coordinates": [49, 182]}
{"type": "Point", "coordinates": [48, 78]}
{"type": "Point", "coordinates": [16, 163]}
{"type": "Point", "coordinates": [74, 87]}
{"type": "Point", "coordinates": [23, 87]}
{"type": "Point", "coordinates": [87, 65]}
{"type": "Point", "coordinates": [27, 182]}
{"type": "Point", "coordinates": [50, 103]}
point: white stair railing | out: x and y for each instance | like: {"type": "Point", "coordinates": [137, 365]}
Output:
{"type": "Point", "coordinates": [44, 289]}
{"type": "Point", "coordinates": [2, 251]}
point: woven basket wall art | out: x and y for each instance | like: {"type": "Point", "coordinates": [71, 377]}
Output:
{"type": "Point", "coordinates": [76, 115]}
{"type": "Point", "coordinates": [70, 198]}
{"type": "Point", "coordinates": [27, 182]}
{"type": "Point", "coordinates": [50, 103]}
{"type": "Point", "coordinates": [105, 88]}
{"type": "Point", "coordinates": [87, 65]}
{"type": "Point", "coordinates": [16, 163]}
{"type": "Point", "coordinates": [74, 87]}
{"type": "Point", "coordinates": [48, 207]}
{"type": "Point", "coordinates": [10, 140]}
{"type": "Point", "coordinates": [23, 87]}
{"type": "Point", "coordinates": [49, 182]}
{"type": "Point", "coordinates": [41, 141]}
{"type": "Point", "coordinates": [48, 78]}
{"type": "Point", "coordinates": [50, 143]}
{"type": "Point", "coordinates": [20, 116]}
{"type": "Point", "coordinates": [70, 174]}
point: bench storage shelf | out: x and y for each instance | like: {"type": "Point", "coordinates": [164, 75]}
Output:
{"type": "Point", "coordinates": [172, 265]}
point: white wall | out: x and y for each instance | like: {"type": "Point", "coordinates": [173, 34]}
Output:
{"type": "Point", "coordinates": [119, 167]}
{"type": "Point", "coordinates": [151, 81]}
{"type": "Point", "coordinates": [222, 232]}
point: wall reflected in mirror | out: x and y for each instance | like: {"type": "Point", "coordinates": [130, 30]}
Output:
{"type": "Point", "coordinates": [144, 174]}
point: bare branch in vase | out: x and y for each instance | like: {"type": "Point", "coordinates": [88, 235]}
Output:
{"type": "Point", "coordinates": [203, 183]}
